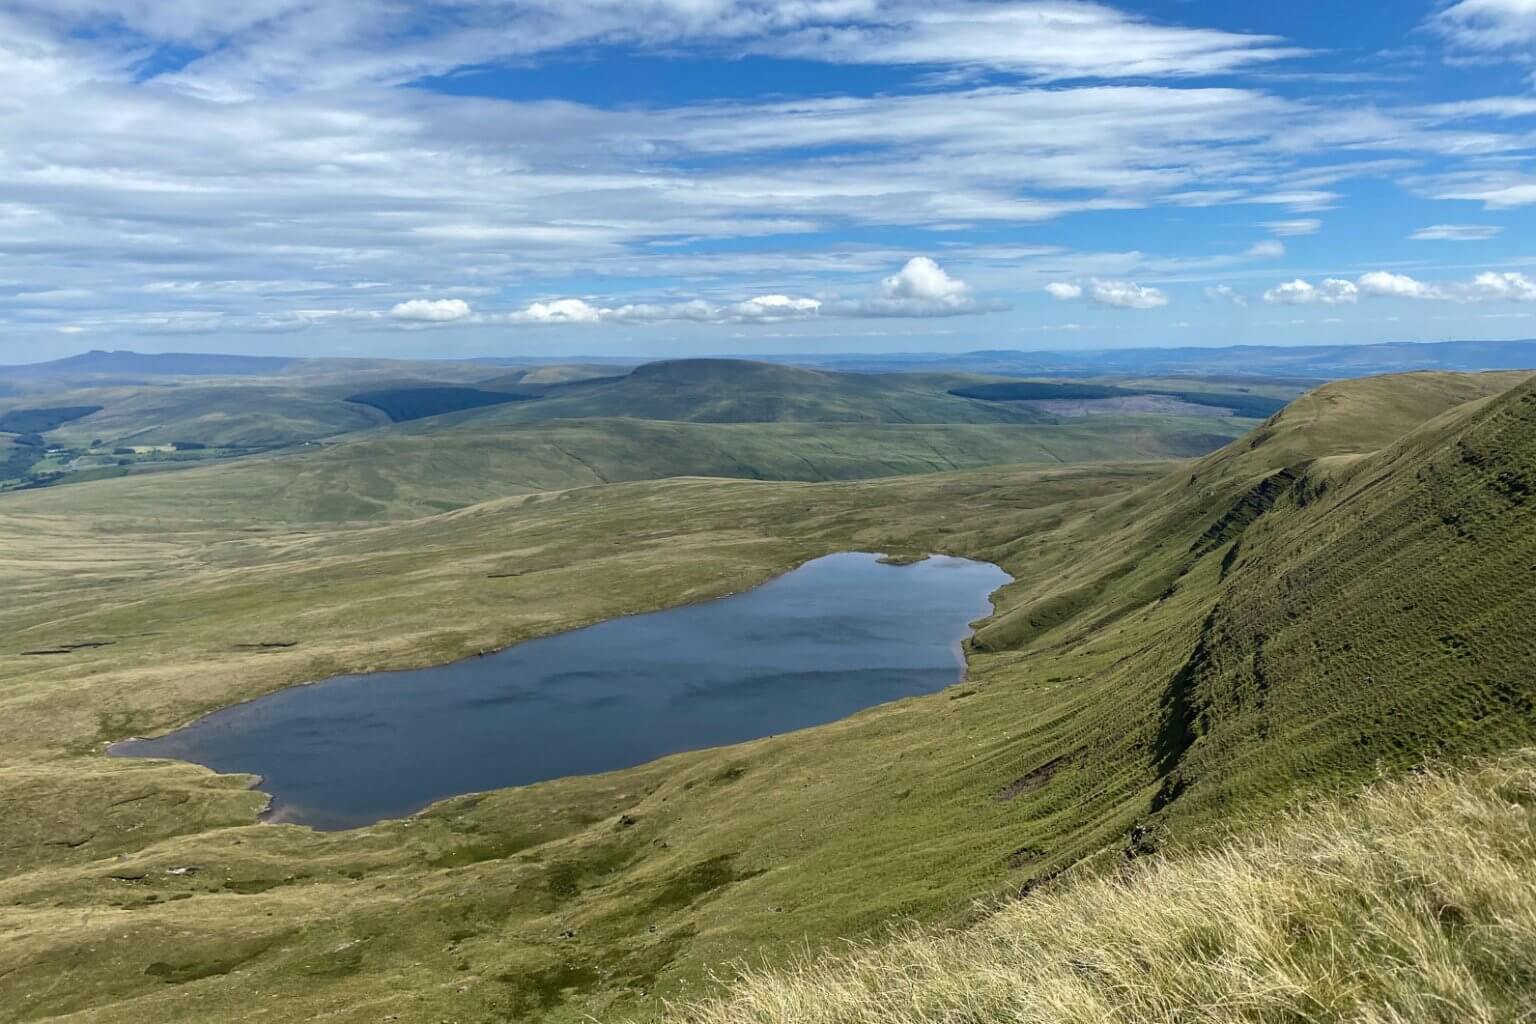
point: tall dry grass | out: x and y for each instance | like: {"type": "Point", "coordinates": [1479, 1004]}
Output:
{"type": "Point", "coordinates": [1414, 902]}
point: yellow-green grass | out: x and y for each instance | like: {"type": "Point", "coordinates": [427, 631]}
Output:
{"type": "Point", "coordinates": [401, 475]}
{"type": "Point", "coordinates": [1412, 902]}
{"type": "Point", "coordinates": [1177, 654]}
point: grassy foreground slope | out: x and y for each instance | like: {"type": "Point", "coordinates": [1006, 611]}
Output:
{"type": "Point", "coordinates": [1415, 901]}
{"type": "Point", "coordinates": [403, 475]}
{"type": "Point", "coordinates": [1342, 591]}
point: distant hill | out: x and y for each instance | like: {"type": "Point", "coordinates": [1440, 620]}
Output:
{"type": "Point", "coordinates": [1315, 362]}
{"type": "Point", "coordinates": [118, 364]}
{"type": "Point", "coordinates": [404, 404]}
{"type": "Point", "coordinates": [742, 391]}
{"type": "Point", "coordinates": [394, 474]}
{"type": "Point", "coordinates": [1300, 363]}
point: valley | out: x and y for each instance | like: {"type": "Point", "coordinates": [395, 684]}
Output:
{"type": "Point", "coordinates": [1184, 646]}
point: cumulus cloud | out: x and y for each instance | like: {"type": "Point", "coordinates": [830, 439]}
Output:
{"type": "Point", "coordinates": [1118, 294]}
{"type": "Point", "coordinates": [1266, 250]}
{"type": "Point", "coordinates": [1456, 233]}
{"type": "Point", "coordinates": [775, 307]}
{"type": "Point", "coordinates": [560, 311]}
{"type": "Point", "coordinates": [1506, 287]}
{"type": "Point", "coordinates": [761, 309]}
{"type": "Point", "coordinates": [1332, 292]}
{"type": "Point", "coordinates": [431, 310]}
{"type": "Point", "coordinates": [920, 289]}
{"type": "Point", "coordinates": [1125, 295]}
{"type": "Point", "coordinates": [1395, 286]}
{"type": "Point", "coordinates": [1490, 286]}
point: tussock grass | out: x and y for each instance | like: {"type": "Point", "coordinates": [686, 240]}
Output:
{"type": "Point", "coordinates": [1413, 902]}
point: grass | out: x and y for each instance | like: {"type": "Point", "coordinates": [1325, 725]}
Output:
{"type": "Point", "coordinates": [403, 474]}
{"type": "Point", "coordinates": [1341, 593]}
{"type": "Point", "coordinates": [1414, 901]}
{"type": "Point", "coordinates": [736, 391]}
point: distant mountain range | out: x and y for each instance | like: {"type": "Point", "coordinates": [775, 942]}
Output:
{"type": "Point", "coordinates": [1313, 362]}
{"type": "Point", "coordinates": [99, 363]}
{"type": "Point", "coordinates": [1318, 362]}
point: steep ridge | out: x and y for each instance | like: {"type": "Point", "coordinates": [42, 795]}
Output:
{"type": "Point", "coordinates": [1297, 614]}
{"type": "Point", "coordinates": [1338, 620]}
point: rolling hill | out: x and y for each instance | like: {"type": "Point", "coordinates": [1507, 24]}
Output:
{"type": "Point", "coordinates": [1339, 593]}
{"type": "Point", "coordinates": [414, 447]}
{"type": "Point", "coordinates": [739, 391]}
{"type": "Point", "coordinates": [402, 475]}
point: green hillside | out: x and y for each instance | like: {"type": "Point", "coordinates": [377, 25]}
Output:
{"type": "Point", "coordinates": [399, 475]}
{"type": "Point", "coordinates": [738, 391]}
{"type": "Point", "coordinates": [1340, 593]}
{"type": "Point", "coordinates": [223, 413]}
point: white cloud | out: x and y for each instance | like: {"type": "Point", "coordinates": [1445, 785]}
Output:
{"type": "Point", "coordinates": [560, 311]}
{"type": "Point", "coordinates": [776, 307]}
{"type": "Point", "coordinates": [1395, 286]}
{"type": "Point", "coordinates": [1456, 233]}
{"type": "Point", "coordinates": [1266, 250]}
{"type": "Point", "coordinates": [1332, 292]}
{"type": "Point", "coordinates": [1495, 192]}
{"type": "Point", "coordinates": [288, 45]}
{"type": "Point", "coordinates": [1054, 39]}
{"type": "Point", "coordinates": [1488, 24]}
{"type": "Point", "coordinates": [431, 310]}
{"type": "Point", "coordinates": [283, 162]}
{"type": "Point", "coordinates": [1491, 286]}
{"type": "Point", "coordinates": [1226, 293]}
{"type": "Point", "coordinates": [1300, 226]}
{"type": "Point", "coordinates": [1125, 295]}
{"type": "Point", "coordinates": [925, 280]}
{"type": "Point", "coordinates": [1505, 287]}
{"type": "Point", "coordinates": [1118, 294]}
{"type": "Point", "coordinates": [920, 289]}
{"type": "Point", "coordinates": [1487, 106]}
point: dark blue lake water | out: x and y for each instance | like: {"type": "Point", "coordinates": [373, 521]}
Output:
{"type": "Point", "coordinates": [836, 635]}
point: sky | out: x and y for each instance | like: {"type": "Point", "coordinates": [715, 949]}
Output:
{"type": "Point", "coordinates": [446, 178]}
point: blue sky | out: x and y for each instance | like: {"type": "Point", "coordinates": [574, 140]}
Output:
{"type": "Point", "coordinates": [475, 177]}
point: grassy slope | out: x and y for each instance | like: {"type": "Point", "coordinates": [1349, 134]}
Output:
{"type": "Point", "coordinates": [736, 391]}
{"type": "Point", "coordinates": [398, 474]}
{"type": "Point", "coordinates": [226, 413]}
{"type": "Point", "coordinates": [1133, 666]}
{"type": "Point", "coordinates": [1415, 901]}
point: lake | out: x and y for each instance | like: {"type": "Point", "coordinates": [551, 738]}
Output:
{"type": "Point", "coordinates": [835, 636]}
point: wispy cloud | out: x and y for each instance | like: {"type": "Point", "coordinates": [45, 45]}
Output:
{"type": "Point", "coordinates": [1294, 228]}
{"type": "Point", "coordinates": [1456, 233]}
{"type": "Point", "coordinates": [1488, 24]}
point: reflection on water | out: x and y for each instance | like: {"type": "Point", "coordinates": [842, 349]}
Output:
{"type": "Point", "coordinates": [835, 636]}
